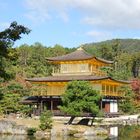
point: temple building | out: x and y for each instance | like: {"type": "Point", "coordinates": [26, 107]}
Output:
{"type": "Point", "coordinates": [78, 65]}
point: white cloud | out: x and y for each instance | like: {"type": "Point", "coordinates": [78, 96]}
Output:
{"type": "Point", "coordinates": [116, 14]}
{"type": "Point", "coordinates": [99, 35]}
{"type": "Point", "coordinates": [37, 10]}
{"type": "Point", "coordinates": [102, 13]}
{"type": "Point", "coordinates": [43, 10]}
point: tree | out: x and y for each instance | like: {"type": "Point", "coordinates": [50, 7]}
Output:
{"type": "Point", "coordinates": [7, 39]}
{"type": "Point", "coordinates": [46, 120]}
{"type": "Point", "coordinates": [135, 84]}
{"type": "Point", "coordinates": [10, 97]}
{"type": "Point", "coordinates": [135, 64]}
{"type": "Point", "coordinates": [127, 105]}
{"type": "Point", "coordinates": [80, 97]}
{"type": "Point", "coordinates": [10, 35]}
{"type": "Point", "coordinates": [106, 52]}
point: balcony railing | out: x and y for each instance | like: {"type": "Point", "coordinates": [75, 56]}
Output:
{"type": "Point", "coordinates": [99, 73]}
{"type": "Point", "coordinates": [111, 93]}
{"type": "Point", "coordinates": [58, 72]}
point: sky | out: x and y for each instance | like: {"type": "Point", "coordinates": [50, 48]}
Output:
{"type": "Point", "coordinates": [72, 23]}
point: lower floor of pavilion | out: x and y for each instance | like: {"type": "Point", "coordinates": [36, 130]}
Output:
{"type": "Point", "coordinates": [109, 105]}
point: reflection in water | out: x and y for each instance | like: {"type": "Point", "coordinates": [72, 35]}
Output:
{"type": "Point", "coordinates": [13, 137]}
{"type": "Point", "coordinates": [114, 131]}
{"type": "Point", "coordinates": [129, 133]}
{"type": "Point", "coordinates": [121, 133]}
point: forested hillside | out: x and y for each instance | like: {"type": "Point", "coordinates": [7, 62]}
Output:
{"type": "Point", "coordinates": [124, 52]}
{"type": "Point", "coordinates": [128, 45]}
{"type": "Point", "coordinates": [30, 60]}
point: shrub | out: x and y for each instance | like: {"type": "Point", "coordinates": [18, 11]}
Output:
{"type": "Point", "coordinates": [46, 120]}
{"type": "Point", "coordinates": [31, 131]}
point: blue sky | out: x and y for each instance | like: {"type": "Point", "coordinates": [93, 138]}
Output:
{"type": "Point", "coordinates": [71, 23]}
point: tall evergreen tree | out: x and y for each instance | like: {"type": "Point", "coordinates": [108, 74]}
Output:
{"type": "Point", "coordinates": [7, 39]}
{"type": "Point", "coordinates": [80, 97]}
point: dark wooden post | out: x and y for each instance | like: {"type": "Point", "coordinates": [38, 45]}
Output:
{"type": "Point", "coordinates": [101, 107]}
{"type": "Point", "coordinates": [41, 106]}
{"type": "Point", "coordinates": [51, 104]}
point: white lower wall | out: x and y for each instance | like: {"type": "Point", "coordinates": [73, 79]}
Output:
{"type": "Point", "coordinates": [114, 107]}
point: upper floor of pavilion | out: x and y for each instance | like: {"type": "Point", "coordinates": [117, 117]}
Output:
{"type": "Point", "coordinates": [79, 62]}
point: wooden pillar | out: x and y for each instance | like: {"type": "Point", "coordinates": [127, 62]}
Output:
{"type": "Point", "coordinates": [105, 89]}
{"type": "Point", "coordinates": [109, 90]}
{"type": "Point", "coordinates": [41, 106]}
{"type": "Point", "coordinates": [51, 104]}
{"type": "Point", "coordinates": [113, 89]}
{"type": "Point", "coordinates": [91, 68]}
{"type": "Point", "coordinates": [101, 105]}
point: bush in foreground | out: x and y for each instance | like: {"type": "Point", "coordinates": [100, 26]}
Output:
{"type": "Point", "coordinates": [46, 120]}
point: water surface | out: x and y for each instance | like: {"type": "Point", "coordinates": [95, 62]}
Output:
{"type": "Point", "coordinates": [120, 133]}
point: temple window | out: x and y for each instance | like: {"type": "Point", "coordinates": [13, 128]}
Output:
{"type": "Point", "coordinates": [64, 68]}
{"type": "Point", "coordinates": [83, 67]}
{"type": "Point", "coordinates": [109, 88]}
{"type": "Point", "coordinates": [103, 87]}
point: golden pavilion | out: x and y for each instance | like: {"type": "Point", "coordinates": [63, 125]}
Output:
{"type": "Point", "coordinates": [78, 65]}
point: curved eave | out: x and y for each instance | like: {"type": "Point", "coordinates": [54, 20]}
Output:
{"type": "Point", "coordinates": [78, 55]}
{"type": "Point", "coordinates": [84, 59]}
{"type": "Point", "coordinates": [52, 60]}
{"type": "Point", "coordinates": [72, 78]}
{"type": "Point", "coordinates": [103, 60]}
{"type": "Point", "coordinates": [120, 81]}
{"type": "Point", "coordinates": [65, 78]}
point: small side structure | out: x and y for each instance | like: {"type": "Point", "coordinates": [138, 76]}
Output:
{"type": "Point", "coordinates": [78, 65]}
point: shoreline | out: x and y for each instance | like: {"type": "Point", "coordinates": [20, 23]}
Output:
{"type": "Point", "coordinates": [60, 128]}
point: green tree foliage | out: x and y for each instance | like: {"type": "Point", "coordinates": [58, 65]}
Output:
{"type": "Point", "coordinates": [10, 35]}
{"type": "Point", "coordinates": [106, 52]}
{"type": "Point", "coordinates": [123, 52]}
{"type": "Point", "coordinates": [46, 120]}
{"type": "Point", "coordinates": [127, 104]}
{"type": "Point", "coordinates": [7, 39]}
{"type": "Point", "coordinates": [31, 131]}
{"type": "Point", "coordinates": [129, 132]}
{"type": "Point", "coordinates": [10, 97]}
{"type": "Point", "coordinates": [32, 61]}
{"type": "Point", "coordinates": [80, 97]}
{"type": "Point", "coordinates": [136, 64]}
{"type": "Point", "coordinates": [19, 63]}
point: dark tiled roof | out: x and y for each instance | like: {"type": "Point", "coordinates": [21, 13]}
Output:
{"type": "Point", "coordinates": [65, 78]}
{"type": "Point", "coordinates": [79, 54]}
{"type": "Point", "coordinates": [29, 100]}
{"type": "Point", "coordinates": [71, 78]}
{"type": "Point", "coordinates": [103, 60]}
{"type": "Point", "coordinates": [121, 81]}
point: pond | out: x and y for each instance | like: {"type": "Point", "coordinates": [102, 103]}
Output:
{"type": "Point", "coordinates": [116, 132]}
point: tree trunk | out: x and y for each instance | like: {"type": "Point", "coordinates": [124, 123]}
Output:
{"type": "Point", "coordinates": [71, 120]}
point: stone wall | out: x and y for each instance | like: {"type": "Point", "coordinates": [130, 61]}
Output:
{"type": "Point", "coordinates": [9, 127]}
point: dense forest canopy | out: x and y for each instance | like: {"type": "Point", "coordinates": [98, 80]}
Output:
{"type": "Point", "coordinates": [30, 60]}
{"type": "Point", "coordinates": [128, 45]}
{"type": "Point", "coordinates": [124, 52]}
